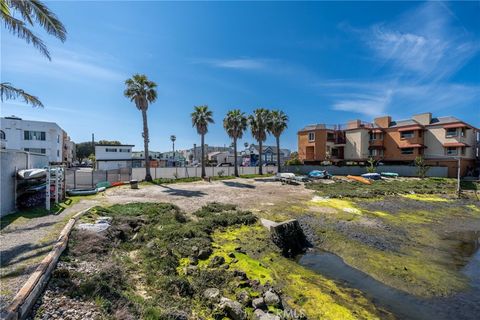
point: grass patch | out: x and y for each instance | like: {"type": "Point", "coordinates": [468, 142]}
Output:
{"type": "Point", "coordinates": [23, 216]}
{"type": "Point", "coordinates": [353, 189]}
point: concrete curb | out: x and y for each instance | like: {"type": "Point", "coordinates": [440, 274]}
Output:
{"type": "Point", "coordinates": [25, 298]}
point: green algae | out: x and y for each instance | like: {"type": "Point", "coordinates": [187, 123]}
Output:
{"type": "Point", "coordinates": [305, 291]}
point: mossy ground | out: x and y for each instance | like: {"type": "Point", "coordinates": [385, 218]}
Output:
{"type": "Point", "coordinates": [401, 241]}
{"type": "Point", "coordinates": [305, 291]}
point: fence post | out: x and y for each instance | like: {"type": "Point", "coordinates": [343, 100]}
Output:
{"type": "Point", "coordinates": [106, 175]}
{"type": "Point", "coordinates": [92, 178]}
{"type": "Point", "coordinates": [74, 179]}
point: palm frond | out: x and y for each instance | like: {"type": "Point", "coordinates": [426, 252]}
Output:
{"type": "Point", "coordinates": [8, 92]}
{"type": "Point", "coordinates": [36, 10]}
{"type": "Point", "coordinates": [18, 28]}
{"type": "Point", "coordinates": [4, 7]}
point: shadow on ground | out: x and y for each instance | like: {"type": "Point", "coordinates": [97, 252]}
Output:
{"type": "Point", "coordinates": [238, 185]}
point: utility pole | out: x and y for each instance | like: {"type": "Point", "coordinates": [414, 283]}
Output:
{"type": "Point", "coordinates": [458, 177]}
{"type": "Point", "coordinates": [173, 138]}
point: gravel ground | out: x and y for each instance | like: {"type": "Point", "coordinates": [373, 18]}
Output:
{"type": "Point", "coordinates": [24, 243]}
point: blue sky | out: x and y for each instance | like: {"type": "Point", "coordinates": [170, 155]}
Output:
{"type": "Point", "coordinates": [321, 62]}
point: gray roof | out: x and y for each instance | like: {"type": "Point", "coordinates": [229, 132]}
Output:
{"type": "Point", "coordinates": [401, 123]}
{"type": "Point", "coordinates": [442, 120]}
{"type": "Point", "coordinates": [314, 127]}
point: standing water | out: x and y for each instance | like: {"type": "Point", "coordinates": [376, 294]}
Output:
{"type": "Point", "coordinates": [464, 305]}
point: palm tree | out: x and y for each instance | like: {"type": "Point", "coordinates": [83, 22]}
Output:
{"type": "Point", "coordinates": [201, 117]}
{"type": "Point", "coordinates": [259, 124]}
{"type": "Point", "coordinates": [142, 91]}
{"type": "Point", "coordinates": [173, 138]}
{"type": "Point", "coordinates": [235, 123]}
{"type": "Point", "coordinates": [32, 12]}
{"type": "Point", "coordinates": [278, 123]}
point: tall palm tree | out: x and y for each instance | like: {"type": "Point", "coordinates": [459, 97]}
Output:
{"type": "Point", "coordinates": [201, 117]}
{"type": "Point", "coordinates": [235, 123]}
{"type": "Point", "coordinates": [142, 91]}
{"type": "Point", "coordinates": [32, 12]}
{"type": "Point", "coordinates": [259, 124]}
{"type": "Point", "coordinates": [173, 138]}
{"type": "Point", "coordinates": [278, 124]}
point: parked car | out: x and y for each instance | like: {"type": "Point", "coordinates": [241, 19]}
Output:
{"type": "Point", "coordinates": [269, 164]}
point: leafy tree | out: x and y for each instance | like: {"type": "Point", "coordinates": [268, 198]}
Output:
{"type": "Point", "coordinates": [17, 17]}
{"type": "Point", "coordinates": [142, 91]}
{"type": "Point", "coordinates": [201, 117]}
{"type": "Point", "coordinates": [293, 161]}
{"type": "Point", "coordinates": [278, 124]}
{"type": "Point", "coordinates": [84, 149]}
{"type": "Point", "coordinates": [259, 123]}
{"type": "Point", "coordinates": [422, 167]}
{"type": "Point", "coordinates": [109, 142]}
{"type": "Point", "coordinates": [235, 123]}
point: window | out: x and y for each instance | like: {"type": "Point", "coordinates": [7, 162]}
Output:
{"type": "Point", "coordinates": [376, 136]}
{"type": "Point", "coordinates": [375, 152]}
{"type": "Point", "coordinates": [110, 149]}
{"type": "Point", "coordinates": [330, 136]}
{"type": "Point", "coordinates": [2, 135]}
{"type": "Point", "coordinates": [451, 151]}
{"type": "Point", "coordinates": [58, 138]}
{"type": "Point", "coordinates": [34, 135]}
{"type": "Point", "coordinates": [311, 136]}
{"type": "Point", "coordinates": [36, 150]}
{"type": "Point", "coordinates": [58, 153]}
{"type": "Point", "coordinates": [407, 134]}
{"type": "Point", "coordinates": [123, 150]}
{"type": "Point", "coordinates": [407, 151]}
{"type": "Point", "coordinates": [451, 132]}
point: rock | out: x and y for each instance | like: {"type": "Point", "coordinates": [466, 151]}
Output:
{"type": "Point", "coordinates": [233, 309]}
{"type": "Point", "coordinates": [240, 250]}
{"type": "Point", "coordinates": [259, 303]}
{"type": "Point", "coordinates": [240, 274]}
{"type": "Point", "coordinates": [204, 254]}
{"type": "Point", "coordinates": [189, 270]}
{"type": "Point", "coordinates": [244, 298]}
{"type": "Point", "coordinates": [271, 298]}
{"type": "Point", "coordinates": [262, 315]}
{"type": "Point", "coordinates": [231, 255]}
{"type": "Point", "coordinates": [216, 261]}
{"type": "Point", "coordinates": [195, 249]}
{"type": "Point", "coordinates": [212, 295]}
{"type": "Point", "coordinates": [289, 237]}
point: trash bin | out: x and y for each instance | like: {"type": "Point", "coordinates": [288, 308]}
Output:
{"type": "Point", "coordinates": [134, 184]}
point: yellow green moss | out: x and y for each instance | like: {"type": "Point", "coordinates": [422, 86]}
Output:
{"type": "Point", "coordinates": [305, 291]}
{"type": "Point", "coordinates": [426, 197]}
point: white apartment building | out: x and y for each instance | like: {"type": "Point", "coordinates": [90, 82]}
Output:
{"type": "Point", "coordinates": [41, 137]}
{"type": "Point", "coordinates": [108, 157]}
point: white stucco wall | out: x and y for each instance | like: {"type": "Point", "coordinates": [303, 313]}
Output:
{"type": "Point", "coordinates": [14, 137]}
{"type": "Point", "coordinates": [356, 146]}
{"type": "Point", "coordinates": [435, 138]}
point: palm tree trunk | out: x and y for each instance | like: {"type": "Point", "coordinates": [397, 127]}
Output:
{"type": "Point", "coordinates": [203, 156]}
{"type": "Point", "coordinates": [278, 154]}
{"type": "Point", "coordinates": [148, 176]}
{"type": "Point", "coordinates": [235, 156]}
{"type": "Point", "coordinates": [260, 169]}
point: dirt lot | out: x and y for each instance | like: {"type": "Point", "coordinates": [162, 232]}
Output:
{"type": "Point", "coordinates": [248, 194]}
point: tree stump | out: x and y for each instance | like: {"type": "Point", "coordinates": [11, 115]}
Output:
{"type": "Point", "coordinates": [289, 237]}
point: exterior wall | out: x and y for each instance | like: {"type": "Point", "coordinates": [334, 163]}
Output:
{"type": "Point", "coordinates": [435, 138]}
{"type": "Point", "coordinates": [11, 160]}
{"type": "Point", "coordinates": [15, 139]}
{"type": "Point", "coordinates": [102, 154]}
{"type": "Point", "coordinates": [392, 142]}
{"type": "Point", "coordinates": [319, 145]}
{"type": "Point", "coordinates": [452, 166]}
{"type": "Point", "coordinates": [356, 146]}
{"type": "Point", "coordinates": [110, 165]}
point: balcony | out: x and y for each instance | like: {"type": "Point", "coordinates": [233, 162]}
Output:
{"type": "Point", "coordinates": [376, 143]}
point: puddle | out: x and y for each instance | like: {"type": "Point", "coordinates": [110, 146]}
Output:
{"type": "Point", "coordinates": [465, 305]}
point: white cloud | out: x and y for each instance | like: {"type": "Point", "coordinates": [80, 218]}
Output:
{"type": "Point", "coordinates": [371, 105]}
{"type": "Point", "coordinates": [65, 65]}
{"type": "Point", "coordinates": [240, 63]}
{"type": "Point", "coordinates": [422, 43]}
